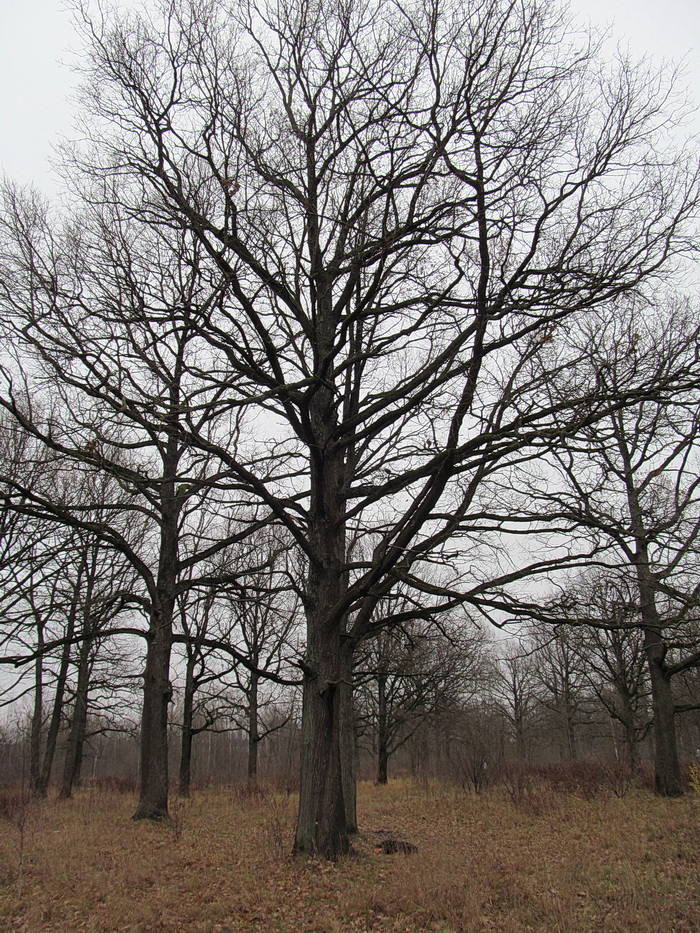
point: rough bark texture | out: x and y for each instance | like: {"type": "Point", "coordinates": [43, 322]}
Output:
{"type": "Point", "coordinates": [322, 827]}
{"type": "Point", "coordinates": [157, 689]}
{"type": "Point", "coordinates": [667, 777]}
{"type": "Point", "coordinates": [153, 799]}
{"type": "Point", "coordinates": [348, 744]}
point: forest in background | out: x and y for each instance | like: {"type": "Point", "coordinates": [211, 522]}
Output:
{"type": "Point", "coordinates": [363, 331]}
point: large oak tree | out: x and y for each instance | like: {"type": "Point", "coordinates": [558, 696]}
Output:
{"type": "Point", "coordinates": [402, 205]}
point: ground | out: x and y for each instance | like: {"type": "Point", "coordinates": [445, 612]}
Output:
{"type": "Point", "coordinates": [539, 859]}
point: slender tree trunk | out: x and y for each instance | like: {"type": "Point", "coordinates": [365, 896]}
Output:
{"type": "Point", "coordinates": [667, 778]}
{"type": "Point", "coordinates": [253, 736]}
{"type": "Point", "coordinates": [78, 727]}
{"type": "Point", "coordinates": [630, 729]}
{"type": "Point", "coordinates": [519, 726]}
{"type": "Point", "coordinates": [62, 678]}
{"type": "Point", "coordinates": [37, 717]}
{"type": "Point", "coordinates": [55, 722]}
{"type": "Point", "coordinates": [382, 731]}
{"type": "Point", "coordinates": [570, 721]}
{"type": "Point", "coordinates": [185, 776]}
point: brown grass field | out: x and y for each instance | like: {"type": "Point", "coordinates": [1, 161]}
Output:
{"type": "Point", "coordinates": [549, 860]}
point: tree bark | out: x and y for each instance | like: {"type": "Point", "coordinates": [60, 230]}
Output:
{"type": "Point", "coordinates": [185, 776]}
{"type": "Point", "coordinates": [37, 717]}
{"type": "Point", "coordinates": [629, 725]}
{"type": "Point", "coordinates": [55, 722]}
{"type": "Point", "coordinates": [157, 688]}
{"type": "Point", "coordinates": [253, 736]}
{"type": "Point", "coordinates": [348, 744]}
{"type": "Point", "coordinates": [153, 799]}
{"type": "Point", "coordinates": [322, 825]}
{"type": "Point", "coordinates": [667, 778]}
{"type": "Point", "coordinates": [382, 732]}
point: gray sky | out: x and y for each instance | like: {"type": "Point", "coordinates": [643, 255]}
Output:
{"type": "Point", "coordinates": [36, 83]}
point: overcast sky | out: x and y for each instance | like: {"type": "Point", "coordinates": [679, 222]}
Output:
{"type": "Point", "coordinates": [36, 82]}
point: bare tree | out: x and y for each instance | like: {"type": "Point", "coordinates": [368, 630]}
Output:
{"type": "Point", "coordinates": [515, 693]}
{"type": "Point", "coordinates": [199, 712]}
{"type": "Point", "coordinates": [400, 207]}
{"type": "Point", "coordinates": [101, 366]}
{"type": "Point", "coordinates": [633, 481]}
{"type": "Point", "coordinates": [410, 675]}
{"type": "Point", "coordinates": [261, 616]}
{"type": "Point", "coordinates": [612, 655]}
{"type": "Point", "coordinates": [559, 673]}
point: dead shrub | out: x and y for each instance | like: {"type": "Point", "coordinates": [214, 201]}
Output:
{"type": "Point", "coordinates": [584, 779]}
{"type": "Point", "coordinates": [111, 784]}
{"type": "Point", "coordinates": [619, 777]}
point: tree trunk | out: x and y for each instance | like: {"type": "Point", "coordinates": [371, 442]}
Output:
{"type": "Point", "coordinates": [157, 689]}
{"type": "Point", "coordinates": [348, 744]}
{"type": "Point", "coordinates": [322, 827]}
{"type": "Point", "coordinates": [55, 723]}
{"type": "Point", "coordinates": [157, 692]}
{"type": "Point", "coordinates": [37, 717]}
{"type": "Point", "coordinates": [570, 723]}
{"type": "Point", "coordinates": [185, 776]}
{"type": "Point", "coordinates": [253, 736]}
{"type": "Point", "coordinates": [629, 725]}
{"type": "Point", "coordinates": [521, 747]}
{"type": "Point", "coordinates": [382, 731]}
{"type": "Point", "coordinates": [667, 778]}
{"type": "Point", "coordinates": [78, 727]}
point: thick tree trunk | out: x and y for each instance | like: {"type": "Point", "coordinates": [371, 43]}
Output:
{"type": "Point", "coordinates": [157, 692]}
{"type": "Point", "coordinates": [667, 779]}
{"type": "Point", "coordinates": [322, 826]}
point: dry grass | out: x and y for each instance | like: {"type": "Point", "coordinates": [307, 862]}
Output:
{"type": "Point", "coordinates": [548, 862]}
